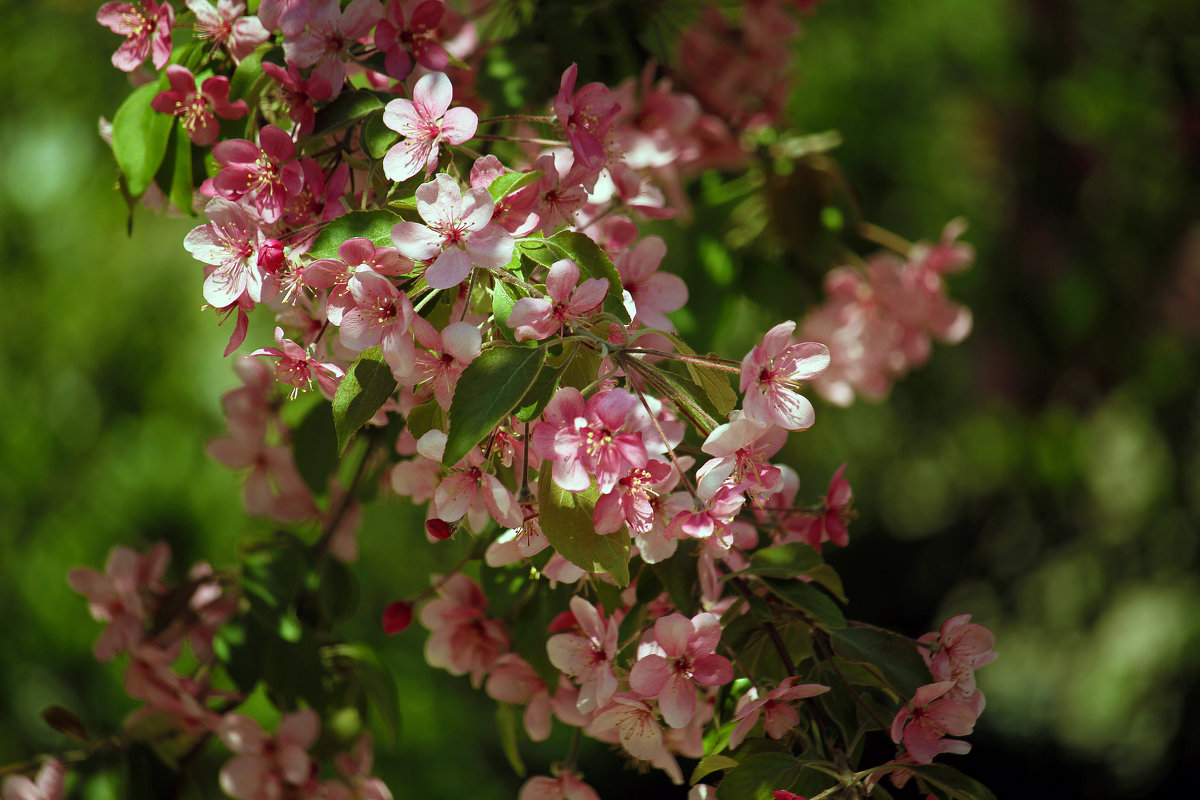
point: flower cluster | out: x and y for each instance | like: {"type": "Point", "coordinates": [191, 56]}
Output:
{"type": "Point", "coordinates": [476, 300]}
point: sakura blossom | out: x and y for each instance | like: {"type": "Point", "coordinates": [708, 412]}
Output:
{"type": "Point", "coordinates": [680, 656]}
{"type": "Point", "coordinates": [458, 233]}
{"type": "Point", "coordinates": [147, 28]}
{"type": "Point", "coordinates": [425, 121]}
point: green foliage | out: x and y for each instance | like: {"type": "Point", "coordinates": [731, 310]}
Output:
{"type": "Point", "coordinates": [367, 386]}
{"type": "Point", "coordinates": [566, 519]}
{"type": "Point", "coordinates": [487, 392]}
{"type": "Point", "coordinates": [140, 136]}
{"type": "Point", "coordinates": [347, 109]}
{"type": "Point", "coordinates": [374, 225]}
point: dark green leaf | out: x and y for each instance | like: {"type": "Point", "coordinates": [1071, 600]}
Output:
{"type": "Point", "coordinates": [338, 590]}
{"type": "Point", "coordinates": [678, 576]}
{"type": "Point", "coordinates": [488, 390]}
{"type": "Point", "coordinates": [367, 386]}
{"type": "Point", "coordinates": [374, 676]}
{"type": "Point", "coordinates": [713, 381]}
{"type": "Point", "coordinates": [692, 403]}
{"type": "Point", "coordinates": [810, 600]}
{"type": "Point", "coordinates": [566, 519]}
{"type": "Point", "coordinates": [374, 225]}
{"type": "Point", "coordinates": [348, 108]}
{"type": "Point", "coordinates": [951, 783]}
{"type": "Point", "coordinates": [538, 396]}
{"type": "Point", "coordinates": [784, 561]}
{"type": "Point", "coordinates": [426, 417]}
{"type": "Point", "coordinates": [757, 776]}
{"type": "Point", "coordinates": [538, 251]}
{"type": "Point", "coordinates": [892, 654]}
{"type": "Point", "coordinates": [507, 724]}
{"type": "Point", "coordinates": [504, 298]}
{"type": "Point", "coordinates": [315, 444]}
{"type": "Point", "coordinates": [180, 188]}
{"type": "Point", "coordinates": [828, 577]}
{"type": "Point", "coordinates": [245, 76]}
{"type": "Point", "coordinates": [140, 136]}
{"type": "Point", "coordinates": [510, 182]}
{"type": "Point", "coordinates": [377, 138]}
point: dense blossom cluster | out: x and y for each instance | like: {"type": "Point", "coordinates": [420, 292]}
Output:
{"type": "Point", "coordinates": [516, 319]}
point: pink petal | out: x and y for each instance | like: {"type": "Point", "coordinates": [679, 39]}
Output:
{"type": "Point", "coordinates": [432, 95]}
{"type": "Point", "coordinates": [677, 701]}
{"type": "Point", "coordinates": [451, 268]}
{"type": "Point", "coordinates": [459, 125]}
{"type": "Point", "coordinates": [649, 675]}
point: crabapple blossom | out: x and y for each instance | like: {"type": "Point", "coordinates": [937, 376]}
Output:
{"type": "Point", "coordinates": [741, 449]}
{"type": "Point", "coordinates": [679, 657]}
{"type": "Point", "coordinates": [630, 501]}
{"type": "Point", "coordinates": [458, 233]}
{"type": "Point", "coordinates": [462, 639]}
{"type": "Point", "coordinates": [586, 117]}
{"type": "Point", "coordinates": [382, 315]}
{"type": "Point", "coordinates": [116, 597]}
{"type": "Point", "coordinates": [229, 242]}
{"type": "Point", "coordinates": [769, 372]}
{"type": "Point", "coordinates": [921, 724]}
{"type": "Point", "coordinates": [512, 680]}
{"type": "Point", "coordinates": [147, 28]}
{"type": "Point", "coordinates": [330, 30]}
{"type": "Point", "coordinates": [591, 438]}
{"type": "Point", "coordinates": [567, 786]}
{"type": "Point", "coordinates": [264, 765]}
{"type": "Point", "coordinates": [778, 715]}
{"type": "Point", "coordinates": [48, 785]}
{"type": "Point", "coordinates": [588, 655]}
{"type": "Point", "coordinates": [565, 302]}
{"type": "Point", "coordinates": [298, 93]}
{"type": "Point", "coordinates": [264, 174]}
{"type": "Point", "coordinates": [196, 107]}
{"type": "Point", "coordinates": [447, 355]}
{"type": "Point", "coordinates": [654, 293]}
{"type": "Point", "coordinates": [297, 368]}
{"type": "Point", "coordinates": [418, 36]}
{"type": "Point", "coordinates": [226, 27]}
{"type": "Point", "coordinates": [424, 122]}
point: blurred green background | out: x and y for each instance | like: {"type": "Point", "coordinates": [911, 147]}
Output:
{"type": "Point", "coordinates": [1043, 476]}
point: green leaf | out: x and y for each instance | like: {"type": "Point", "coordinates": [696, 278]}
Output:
{"type": "Point", "coordinates": [348, 108]}
{"type": "Point", "coordinates": [367, 386]}
{"type": "Point", "coordinates": [784, 561]}
{"type": "Point", "coordinates": [538, 251]}
{"type": "Point", "coordinates": [692, 403]}
{"type": "Point", "coordinates": [374, 225]}
{"type": "Point", "coordinates": [710, 764]}
{"type": "Point", "coordinates": [180, 189]}
{"type": "Point", "coordinates": [951, 783]}
{"type": "Point", "coordinates": [594, 263]}
{"type": "Point", "coordinates": [828, 577]}
{"type": "Point", "coordinates": [338, 591]}
{"type": "Point", "coordinates": [139, 136]}
{"type": "Point", "coordinates": [713, 381]}
{"type": "Point", "coordinates": [810, 600]}
{"type": "Point", "coordinates": [510, 182]}
{"type": "Point", "coordinates": [678, 576]}
{"type": "Point", "coordinates": [757, 776]}
{"type": "Point", "coordinates": [566, 519]}
{"type": "Point", "coordinates": [246, 74]}
{"type": "Point", "coordinates": [893, 655]}
{"type": "Point", "coordinates": [507, 725]}
{"type": "Point", "coordinates": [504, 298]}
{"type": "Point", "coordinates": [377, 138]}
{"type": "Point", "coordinates": [488, 390]}
{"type": "Point", "coordinates": [539, 394]}
{"type": "Point", "coordinates": [375, 677]}
{"type": "Point", "coordinates": [315, 443]}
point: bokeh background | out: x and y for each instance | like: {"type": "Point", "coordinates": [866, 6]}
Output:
{"type": "Point", "coordinates": [1043, 476]}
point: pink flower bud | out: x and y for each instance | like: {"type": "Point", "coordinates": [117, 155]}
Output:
{"type": "Point", "coordinates": [397, 617]}
{"type": "Point", "coordinates": [270, 255]}
{"type": "Point", "coordinates": [439, 529]}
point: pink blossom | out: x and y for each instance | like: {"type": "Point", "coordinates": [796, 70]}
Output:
{"type": "Point", "coordinates": [263, 174]}
{"type": "Point", "coordinates": [264, 764]}
{"type": "Point", "coordinates": [459, 233]}
{"type": "Point", "coordinates": [477, 495]}
{"type": "Point", "coordinates": [462, 639]}
{"type": "Point", "coordinates": [355, 768]}
{"type": "Point", "coordinates": [931, 715]}
{"type": "Point", "coordinates": [448, 354]}
{"type": "Point", "coordinates": [147, 27]}
{"type": "Point", "coordinates": [598, 438]}
{"type": "Point", "coordinates": [631, 500]}
{"type": "Point", "coordinates": [227, 28]}
{"type": "Point", "coordinates": [635, 724]}
{"type": "Point", "coordinates": [298, 93]}
{"type": "Point", "coordinates": [512, 680]}
{"type": "Point", "coordinates": [519, 543]}
{"type": "Point", "coordinates": [957, 650]}
{"type": "Point", "coordinates": [274, 487]}
{"type": "Point", "coordinates": [830, 524]}
{"type": "Point", "coordinates": [335, 273]}
{"type": "Point", "coordinates": [565, 302]}
{"type": "Point", "coordinates": [425, 121]}
{"type": "Point", "coordinates": [654, 293]}
{"type": "Point", "coordinates": [194, 108]}
{"type": "Point", "coordinates": [741, 448]}
{"type": "Point", "coordinates": [778, 715]}
{"type": "Point", "coordinates": [320, 198]}
{"type": "Point", "coordinates": [382, 316]}
{"type": "Point", "coordinates": [769, 372]}
{"type": "Point", "coordinates": [297, 368]}
{"type": "Point", "coordinates": [586, 117]}
{"type": "Point", "coordinates": [567, 786]}
{"type": "Point", "coordinates": [151, 679]}
{"type": "Point", "coordinates": [47, 786]}
{"type": "Point", "coordinates": [711, 521]}
{"type": "Point", "coordinates": [289, 15]}
{"type": "Point", "coordinates": [680, 656]}
{"type": "Point", "coordinates": [560, 192]}
{"type": "Point", "coordinates": [588, 655]}
{"type": "Point", "coordinates": [419, 36]}
{"type": "Point", "coordinates": [116, 597]}
{"type": "Point", "coordinates": [514, 211]}
{"type": "Point", "coordinates": [329, 34]}
{"type": "Point", "coordinates": [229, 242]}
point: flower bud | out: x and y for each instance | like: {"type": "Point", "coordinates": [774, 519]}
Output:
{"type": "Point", "coordinates": [270, 255]}
{"type": "Point", "coordinates": [397, 617]}
{"type": "Point", "coordinates": [439, 529]}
